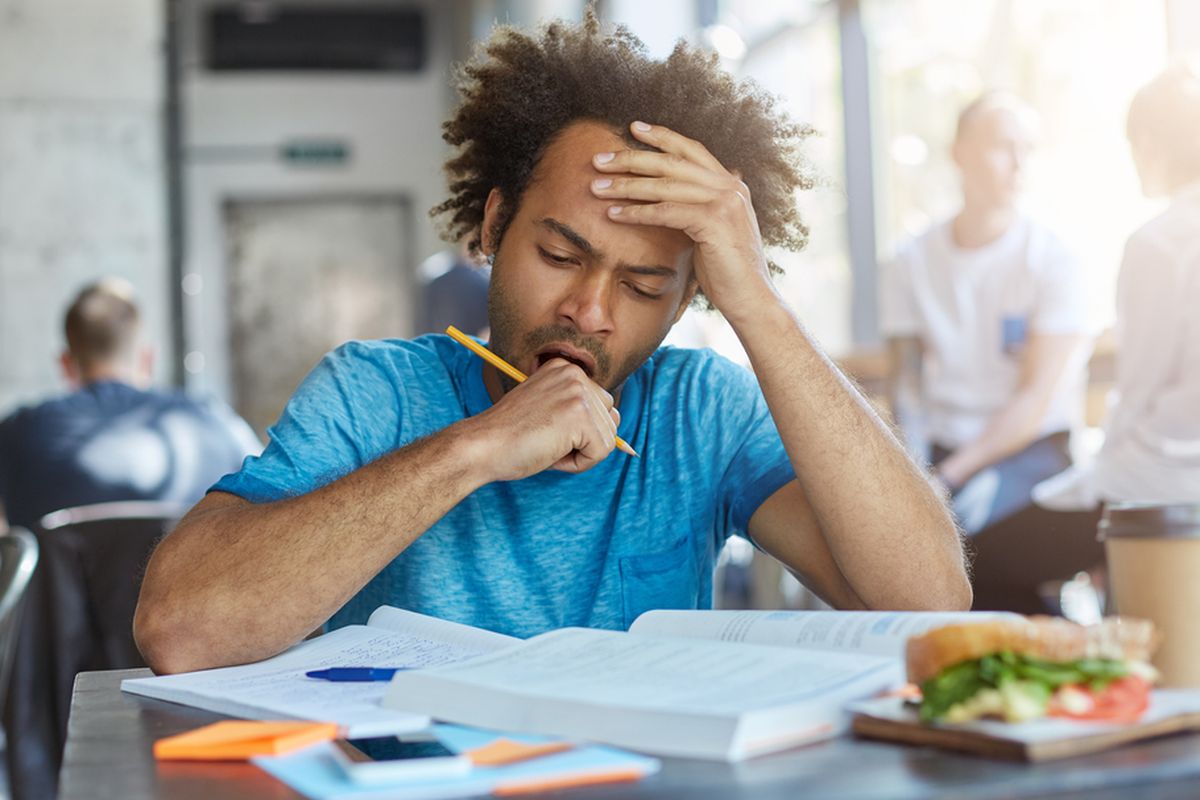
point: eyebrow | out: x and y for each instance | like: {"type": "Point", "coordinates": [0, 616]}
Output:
{"type": "Point", "coordinates": [571, 235]}
{"type": "Point", "coordinates": [650, 271]}
{"type": "Point", "coordinates": [574, 237]}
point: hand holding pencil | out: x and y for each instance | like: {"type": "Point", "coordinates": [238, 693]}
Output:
{"type": "Point", "coordinates": [589, 453]}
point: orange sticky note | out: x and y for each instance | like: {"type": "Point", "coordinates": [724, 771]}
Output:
{"type": "Point", "coordinates": [238, 740]}
{"type": "Point", "coordinates": [507, 751]}
{"type": "Point", "coordinates": [568, 782]}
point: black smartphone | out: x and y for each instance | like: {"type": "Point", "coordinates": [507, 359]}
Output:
{"type": "Point", "coordinates": [395, 759]}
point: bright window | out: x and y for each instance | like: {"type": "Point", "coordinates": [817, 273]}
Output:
{"type": "Point", "coordinates": [1077, 62]}
{"type": "Point", "coordinates": [791, 50]}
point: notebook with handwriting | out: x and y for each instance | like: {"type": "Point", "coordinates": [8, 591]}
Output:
{"type": "Point", "coordinates": [277, 688]}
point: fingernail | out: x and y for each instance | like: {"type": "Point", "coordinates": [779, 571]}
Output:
{"type": "Point", "coordinates": [614, 210]}
{"type": "Point", "coordinates": [602, 183]}
{"type": "Point", "coordinates": [641, 126]}
{"type": "Point", "coordinates": [604, 158]}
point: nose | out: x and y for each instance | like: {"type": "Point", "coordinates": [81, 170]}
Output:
{"type": "Point", "coordinates": [588, 304]}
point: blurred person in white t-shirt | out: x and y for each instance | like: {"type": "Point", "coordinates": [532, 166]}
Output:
{"type": "Point", "coordinates": [1151, 449]}
{"type": "Point", "coordinates": [988, 333]}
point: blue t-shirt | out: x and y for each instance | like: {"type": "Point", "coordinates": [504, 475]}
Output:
{"type": "Point", "coordinates": [555, 549]}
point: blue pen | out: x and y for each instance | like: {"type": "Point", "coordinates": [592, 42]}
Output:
{"type": "Point", "coordinates": [355, 674]}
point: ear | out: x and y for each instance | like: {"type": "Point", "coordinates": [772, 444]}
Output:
{"type": "Point", "coordinates": [69, 367]}
{"type": "Point", "coordinates": [145, 364]}
{"type": "Point", "coordinates": [491, 213]}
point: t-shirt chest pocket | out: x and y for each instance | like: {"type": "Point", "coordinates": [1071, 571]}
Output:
{"type": "Point", "coordinates": [665, 579]}
{"type": "Point", "coordinates": [1014, 312]}
{"type": "Point", "coordinates": [1014, 332]}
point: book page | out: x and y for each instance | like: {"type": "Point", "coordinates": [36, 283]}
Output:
{"type": "Point", "coordinates": [279, 689]}
{"type": "Point", "coordinates": [628, 670]}
{"type": "Point", "coordinates": [881, 633]}
{"type": "Point", "coordinates": [433, 629]}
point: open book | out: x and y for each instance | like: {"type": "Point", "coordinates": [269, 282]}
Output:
{"type": "Point", "coordinates": [704, 684]}
{"type": "Point", "coordinates": [721, 683]}
{"type": "Point", "coordinates": [278, 689]}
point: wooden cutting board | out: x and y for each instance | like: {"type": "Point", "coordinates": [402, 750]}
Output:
{"type": "Point", "coordinates": [889, 719]}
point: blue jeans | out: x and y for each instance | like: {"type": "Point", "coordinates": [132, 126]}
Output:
{"type": "Point", "coordinates": [997, 492]}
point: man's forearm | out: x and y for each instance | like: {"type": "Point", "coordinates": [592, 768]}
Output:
{"type": "Point", "coordinates": [1049, 359]}
{"type": "Point", "coordinates": [905, 396]}
{"type": "Point", "coordinates": [888, 530]}
{"type": "Point", "coordinates": [237, 582]}
{"type": "Point", "coordinates": [1008, 432]}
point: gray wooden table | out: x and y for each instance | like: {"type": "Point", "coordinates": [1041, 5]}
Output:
{"type": "Point", "coordinates": [111, 734]}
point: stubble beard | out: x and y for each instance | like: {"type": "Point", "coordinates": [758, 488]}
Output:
{"type": "Point", "coordinates": [505, 319]}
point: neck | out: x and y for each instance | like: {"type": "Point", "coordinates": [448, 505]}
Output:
{"type": "Point", "coordinates": [979, 225]}
{"type": "Point", "coordinates": [104, 372]}
{"type": "Point", "coordinates": [1183, 181]}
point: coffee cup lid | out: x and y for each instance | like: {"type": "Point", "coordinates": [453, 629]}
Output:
{"type": "Point", "coordinates": [1150, 521]}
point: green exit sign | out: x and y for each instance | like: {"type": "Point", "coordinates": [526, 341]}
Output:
{"type": "Point", "coordinates": [316, 152]}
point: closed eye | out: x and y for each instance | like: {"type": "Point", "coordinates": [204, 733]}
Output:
{"type": "Point", "coordinates": [555, 259]}
{"type": "Point", "coordinates": [642, 292]}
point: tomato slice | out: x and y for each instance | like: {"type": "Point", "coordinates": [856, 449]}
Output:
{"type": "Point", "coordinates": [1123, 700]}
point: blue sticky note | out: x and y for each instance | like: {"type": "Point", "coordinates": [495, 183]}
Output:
{"type": "Point", "coordinates": [314, 773]}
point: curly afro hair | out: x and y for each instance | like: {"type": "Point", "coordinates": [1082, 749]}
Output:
{"type": "Point", "coordinates": [520, 90]}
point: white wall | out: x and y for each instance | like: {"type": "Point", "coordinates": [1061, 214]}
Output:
{"type": "Point", "coordinates": [81, 172]}
{"type": "Point", "coordinates": [391, 121]}
{"type": "Point", "coordinates": [659, 24]}
{"type": "Point", "coordinates": [1183, 28]}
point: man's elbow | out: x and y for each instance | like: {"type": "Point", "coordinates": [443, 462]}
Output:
{"type": "Point", "coordinates": [948, 586]}
{"type": "Point", "coordinates": [948, 595]}
{"type": "Point", "coordinates": [167, 633]}
{"type": "Point", "coordinates": [945, 588]}
{"type": "Point", "coordinates": [153, 642]}
{"type": "Point", "coordinates": [165, 644]}
{"type": "Point", "coordinates": [955, 594]}
{"type": "Point", "coordinates": [949, 590]}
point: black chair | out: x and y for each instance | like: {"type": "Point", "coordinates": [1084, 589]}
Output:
{"type": "Point", "coordinates": [78, 617]}
{"type": "Point", "coordinates": [18, 557]}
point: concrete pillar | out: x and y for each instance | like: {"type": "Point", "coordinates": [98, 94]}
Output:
{"type": "Point", "coordinates": [81, 173]}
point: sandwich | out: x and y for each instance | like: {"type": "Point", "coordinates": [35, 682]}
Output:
{"type": "Point", "coordinates": [1028, 668]}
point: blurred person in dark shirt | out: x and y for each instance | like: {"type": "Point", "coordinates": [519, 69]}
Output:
{"type": "Point", "coordinates": [112, 437]}
{"type": "Point", "coordinates": [457, 296]}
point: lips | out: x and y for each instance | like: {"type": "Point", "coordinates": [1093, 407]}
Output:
{"type": "Point", "coordinates": [580, 358]}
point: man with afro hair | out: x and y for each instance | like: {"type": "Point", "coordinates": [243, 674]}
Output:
{"type": "Point", "coordinates": [610, 191]}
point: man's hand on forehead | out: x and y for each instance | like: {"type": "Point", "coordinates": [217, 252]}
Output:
{"type": "Point", "coordinates": [681, 185]}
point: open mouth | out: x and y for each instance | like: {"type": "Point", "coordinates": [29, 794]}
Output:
{"type": "Point", "coordinates": [576, 357]}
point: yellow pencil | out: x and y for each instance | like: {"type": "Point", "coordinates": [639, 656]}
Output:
{"type": "Point", "coordinates": [511, 371]}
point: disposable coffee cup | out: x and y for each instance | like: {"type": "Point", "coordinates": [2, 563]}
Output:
{"type": "Point", "coordinates": [1153, 556]}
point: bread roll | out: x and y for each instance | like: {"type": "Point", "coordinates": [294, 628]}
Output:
{"type": "Point", "coordinates": [1047, 638]}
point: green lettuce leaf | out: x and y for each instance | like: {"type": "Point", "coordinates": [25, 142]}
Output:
{"type": "Point", "coordinates": [1026, 683]}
